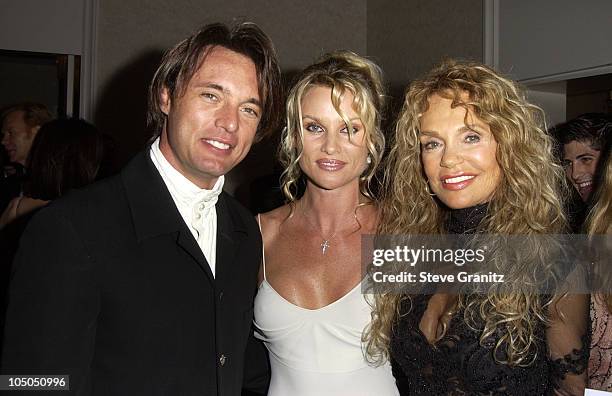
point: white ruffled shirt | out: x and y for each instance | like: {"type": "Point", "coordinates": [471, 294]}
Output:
{"type": "Point", "coordinates": [196, 205]}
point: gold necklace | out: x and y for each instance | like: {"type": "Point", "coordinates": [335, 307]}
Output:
{"type": "Point", "coordinates": [325, 244]}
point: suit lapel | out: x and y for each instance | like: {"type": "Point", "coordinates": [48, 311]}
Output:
{"type": "Point", "coordinates": [153, 210]}
{"type": "Point", "coordinates": [188, 243]}
{"type": "Point", "coordinates": [230, 233]}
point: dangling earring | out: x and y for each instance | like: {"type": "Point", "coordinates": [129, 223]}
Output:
{"type": "Point", "coordinates": [369, 159]}
{"type": "Point", "coordinates": [427, 189]}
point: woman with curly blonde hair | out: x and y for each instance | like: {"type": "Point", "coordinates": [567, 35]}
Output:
{"type": "Point", "coordinates": [470, 156]}
{"type": "Point", "coordinates": [599, 228]}
{"type": "Point", "coordinates": [309, 309]}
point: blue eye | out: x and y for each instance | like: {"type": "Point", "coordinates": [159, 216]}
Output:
{"type": "Point", "coordinates": [472, 138]}
{"type": "Point", "coordinates": [430, 145]}
{"type": "Point", "coordinates": [314, 128]}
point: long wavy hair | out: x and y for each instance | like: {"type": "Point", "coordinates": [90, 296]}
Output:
{"type": "Point", "coordinates": [598, 221]}
{"type": "Point", "coordinates": [342, 71]}
{"type": "Point", "coordinates": [527, 202]}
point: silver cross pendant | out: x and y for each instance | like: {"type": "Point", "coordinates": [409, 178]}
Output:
{"type": "Point", "coordinates": [324, 246]}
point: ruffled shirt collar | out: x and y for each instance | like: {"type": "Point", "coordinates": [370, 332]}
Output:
{"type": "Point", "coordinates": [196, 205]}
{"type": "Point", "coordinates": [181, 188]}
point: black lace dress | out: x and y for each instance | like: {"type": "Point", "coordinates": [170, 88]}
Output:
{"type": "Point", "coordinates": [459, 364]}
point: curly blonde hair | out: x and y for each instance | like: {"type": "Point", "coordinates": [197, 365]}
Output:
{"type": "Point", "coordinates": [598, 221]}
{"type": "Point", "coordinates": [527, 201]}
{"type": "Point", "coordinates": [341, 71]}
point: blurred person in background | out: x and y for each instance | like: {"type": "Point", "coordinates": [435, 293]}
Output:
{"type": "Point", "coordinates": [20, 124]}
{"type": "Point", "coordinates": [65, 155]}
{"type": "Point", "coordinates": [599, 222]}
{"type": "Point", "coordinates": [580, 142]}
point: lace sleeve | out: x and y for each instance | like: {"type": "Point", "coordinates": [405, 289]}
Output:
{"type": "Point", "coordinates": [568, 339]}
{"type": "Point", "coordinates": [400, 378]}
{"type": "Point", "coordinates": [600, 361]}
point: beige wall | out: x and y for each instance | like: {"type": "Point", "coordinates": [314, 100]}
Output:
{"type": "Point", "coordinates": [408, 37]}
{"type": "Point", "coordinates": [301, 30]}
{"type": "Point", "coordinates": [133, 35]}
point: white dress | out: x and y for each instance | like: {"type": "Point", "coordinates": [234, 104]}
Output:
{"type": "Point", "coordinates": [318, 352]}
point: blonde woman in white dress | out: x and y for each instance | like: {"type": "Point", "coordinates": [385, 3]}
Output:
{"type": "Point", "coordinates": [309, 310]}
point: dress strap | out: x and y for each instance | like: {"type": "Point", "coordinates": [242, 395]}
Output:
{"type": "Point", "coordinates": [263, 248]}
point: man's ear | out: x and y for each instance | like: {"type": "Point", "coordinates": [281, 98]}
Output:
{"type": "Point", "coordinates": [165, 101]}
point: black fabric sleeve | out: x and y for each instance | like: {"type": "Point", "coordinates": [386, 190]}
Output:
{"type": "Point", "coordinates": [53, 304]}
{"type": "Point", "coordinates": [400, 378]}
{"type": "Point", "coordinates": [256, 367]}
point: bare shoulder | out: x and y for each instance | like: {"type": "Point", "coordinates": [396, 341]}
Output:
{"type": "Point", "coordinates": [271, 221]}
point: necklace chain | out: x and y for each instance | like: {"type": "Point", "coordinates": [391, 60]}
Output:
{"type": "Point", "coordinates": [326, 241]}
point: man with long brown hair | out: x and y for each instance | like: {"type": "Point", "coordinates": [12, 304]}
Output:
{"type": "Point", "coordinates": [143, 284]}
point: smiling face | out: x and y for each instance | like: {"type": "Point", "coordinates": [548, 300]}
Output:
{"type": "Point", "coordinates": [211, 126]}
{"type": "Point", "coordinates": [580, 163]}
{"type": "Point", "coordinates": [458, 154]}
{"type": "Point", "coordinates": [331, 158]}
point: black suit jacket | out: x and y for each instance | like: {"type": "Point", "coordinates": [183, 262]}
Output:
{"type": "Point", "coordinates": [110, 287]}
